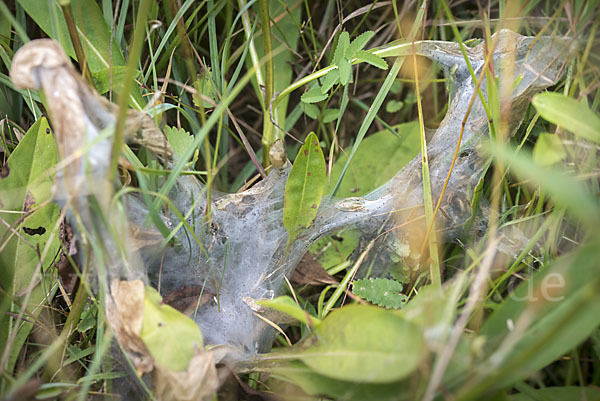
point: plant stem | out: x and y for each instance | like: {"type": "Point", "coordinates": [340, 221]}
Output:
{"type": "Point", "coordinates": [68, 12]}
{"type": "Point", "coordinates": [268, 136]}
{"type": "Point", "coordinates": [128, 79]}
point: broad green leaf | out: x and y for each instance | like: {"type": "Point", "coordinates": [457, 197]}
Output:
{"type": "Point", "coordinates": [372, 59]}
{"type": "Point", "coordinates": [569, 114]}
{"type": "Point", "coordinates": [359, 43]}
{"type": "Point", "coordinates": [567, 393]}
{"type": "Point", "coordinates": [304, 187]}
{"type": "Point", "coordinates": [288, 306]}
{"type": "Point", "coordinates": [548, 150]}
{"type": "Point", "coordinates": [109, 79]}
{"type": "Point", "coordinates": [365, 344]}
{"type": "Point", "coordinates": [341, 48]}
{"type": "Point", "coordinates": [330, 79]}
{"type": "Point", "coordinates": [330, 115]}
{"type": "Point", "coordinates": [561, 304]}
{"type": "Point", "coordinates": [25, 183]}
{"type": "Point", "coordinates": [204, 86]}
{"type": "Point", "coordinates": [366, 174]}
{"type": "Point", "coordinates": [366, 171]}
{"type": "Point", "coordinates": [595, 339]}
{"type": "Point", "coordinates": [171, 337]}
{"type": "Point", "coordinates": [394, 106]}
{"type": "Point", "coordinates": [331, 251]}
{"type": "Point", "coordinates": [310, 110]}
{"type": "Point", "coordinates": [380, 291]}
{"type": "Point", "coordinates": [313, 95]}
{"type": "Point", "coordinates": [562, 186]}
{"type": "Point", "coordinates": [181, 140]}
{"type": "Point", "coordinates": [315, 384]}
{"type": "Point", "coordinates": [345, 71]}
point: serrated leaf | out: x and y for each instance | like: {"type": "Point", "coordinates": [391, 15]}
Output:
{"type": "Point", "coordinates": [361, 343]}
{"type": "Point", "coordinates": [372, 59]}
{"type": "Point", "coordinates": [345, 71]}
{"type": "Point", "coordinates": [310, 110]}
{"type": "Point", "coordinates": [313, 95]}
{"type": "Point", "coordinates": [181, 141]}
{"type": "Point", "coordinates": [304, 187]}
{"type": "Point", "coordinates": [569, 114]}
{"type": "Point", "coordinates": [171, 337]}
{"type": "Point", "coordinates": [359, 43]}
{"type": "Point", "coordinates": [288, 306]}
{"type": "Point", "coordinates": [548, 150]}
{"type": "Point", "coordinates": [330, 79]}
{"type": "Point", "coordinates": [341, 48]}
{"type": "Point", "coordinates": [380, 291]}
{"type": "Point", "coordinates": [330, 115]}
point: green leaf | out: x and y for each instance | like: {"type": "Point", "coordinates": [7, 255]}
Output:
{"type": "Point", "coordinates": [25, 183]}
{"type": "Point", "coordinates": [367, 172]}
{"type": "Point", "coordinates": [380, 291]}
{"type": "Point", "coordinates": [359, 43]}
{"type": "Point", "coordinates": [204, 86]}
{"type": "Point", "coordinates": [394, 106]}
{"type": "Point", "coordinates": [372, 59]}
{"type": "Point", "coordinates": [171, 337]}
{"type": "Point", "coordinates": [110, 79]}
{"type": "Point", "coordinates": [569, 114]}
{"type": "Point", "coordinates": [342, 46]}
{"type": "Point", "coordinates": [304, 187]}
{"type": "Point", "coordinates": [331, 251]}
{"type": "Point", "coordinates": [561, 305]}
{"type": "Point", "coordinates": [180, 141]}
{"type": "Point", "coordinates": [345, 71]}
{"type": "Point", "coordinates": [310, 110]}
{"type": "Point", "coordinates": [562, 186]}
{"type": "Point", "coordinates": [566, 393]}
{"type": "Point", "coordinates": [317, 385]}
{"type": "Point", "coordinates": [330, 79]}
{"type": "Point", "coordinates": [313, 95]}
{"type": "Point", "coordinates": [330, 115]}
{"type": "Point", "coordinates": [366, 344]}
{"type": "Point", "coordinates": [548, 150]}
{"type": "Point", "coordinates": [288, 306]}
{"type": "Point", "coordinates": [370, 116]}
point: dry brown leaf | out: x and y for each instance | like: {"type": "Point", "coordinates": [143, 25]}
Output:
{"type": "Point", "coordinates": [142, 237]}
{"type": "Point", "coordinates": [310, 272]}
{"type": "Point", "coordinates": [125, 314]}
{"type": "Point", "coordinates": [199, 382]}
